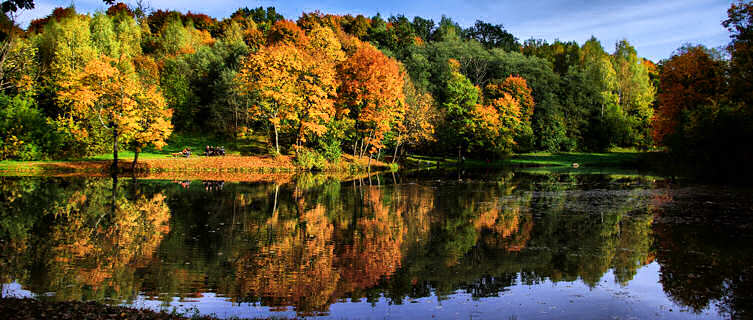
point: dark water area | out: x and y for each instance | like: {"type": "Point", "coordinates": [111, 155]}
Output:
{"type": "Point", "coordinates": [482, 245]}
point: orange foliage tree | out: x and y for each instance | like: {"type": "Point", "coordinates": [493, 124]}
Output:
{"type": "Point", "coordinates": [376, 249]}
{"type": "Point", "coordinates": [689, 79]}
{"type": "Point", "coordinates": [506, 114]}
{"type": "Point", "coordinates": [371, 92]}
{"type": "Point", "coordinates": [298, 268]}
{"type": "Point", "coordinates": [285, 32]}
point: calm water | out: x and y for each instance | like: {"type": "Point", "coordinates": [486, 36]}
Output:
{"type": "Point", "coordinates": [489, 246]}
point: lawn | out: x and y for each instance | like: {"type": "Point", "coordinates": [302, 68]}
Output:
{"type": "Point", "coordinates": [255, 145]}
{"type": "Point", "coordinates": [585, 161]}
{"type": "Point", "coordinates": [258, 146]}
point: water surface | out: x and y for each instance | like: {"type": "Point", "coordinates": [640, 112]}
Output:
{"type": "Point", "coordinates": [486, 245]}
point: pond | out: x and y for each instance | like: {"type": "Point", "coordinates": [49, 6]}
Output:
{"type": "Point", "coordinates": [468, 245]}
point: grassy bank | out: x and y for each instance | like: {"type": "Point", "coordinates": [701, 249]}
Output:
{"type": "Point", "coordinates": [193, 164]}
{"type": "Point", "coordinates": [252, 155]}
{"type": "Point", "coordinates": [570, 161]}
{"type": "Point", "coordinates": [160, 163]}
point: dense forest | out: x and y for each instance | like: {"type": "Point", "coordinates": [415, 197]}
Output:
{"type": "Point", "coordinates": [78, 84]}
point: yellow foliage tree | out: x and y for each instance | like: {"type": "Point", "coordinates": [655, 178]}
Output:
{"type": "Point", "coordinates": [292, 90]}
{"type": "Point", "coordinates": [131, 110]}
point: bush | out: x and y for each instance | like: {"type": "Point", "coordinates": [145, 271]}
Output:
{"type": "Point", "coordinates": [25, 133]}
{"type": "Point", "coordinates": [309, 159]}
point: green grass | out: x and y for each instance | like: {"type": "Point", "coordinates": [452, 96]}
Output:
{"type": "Point", "coordinates": [255, 145]}
{"type": "Point", "coordinates": [550, 161]}
{"type": "Point", "coordinates": [612, 159]}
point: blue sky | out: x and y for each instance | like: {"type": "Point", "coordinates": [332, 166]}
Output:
{"type": "Point", "coordinates": [655, 28]}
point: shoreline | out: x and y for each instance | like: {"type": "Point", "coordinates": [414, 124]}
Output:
{"type": "Point", "coordinates": [192, 165]}
{"type": "Point", "coordinates": [254, 168]}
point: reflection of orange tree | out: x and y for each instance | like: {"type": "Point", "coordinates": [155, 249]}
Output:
{"type": "Point", "coordinates": [377, 239]}
{"type": "Point", "coordinates": [296, 264]}
{"type": "Point", "coordinates": [106, 242]}
{"type": "Point", "coordinates": [416, 202]}
{"type": "Point", "coordinates": [297, 269]}
{"type": "Point", "coordinates": [505, 231]}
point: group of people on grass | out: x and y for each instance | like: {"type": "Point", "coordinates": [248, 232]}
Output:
{"type": "Point", "coordinates": [210, 151]}
{"type": "Point", "coordinates": [185, 153]}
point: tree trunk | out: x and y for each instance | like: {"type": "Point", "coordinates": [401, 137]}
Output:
{"type": "Point", "coordinates": [363, 144]}
{"type": "Point", "coordinates": [394, 155]}
{"type": "Point", "coordinates": [459, 155]}
{"type": "Point", "coordinates": [368, 166]}
{"type": "Point", "coordinates": [113, 205]}
{"type": "Point", "coordinates": [277, 140]}
{"type": "Point", "coordinates": [115, 151]}
{"type": "Point", "coordinates": [274, 207]}
{"type": "Point", "coordinates": [135, 159]}
{"type": "Point", "coordinates": [401, 154]}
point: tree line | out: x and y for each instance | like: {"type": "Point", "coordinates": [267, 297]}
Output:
{"type": "Point", "coordinates": [80, 84]}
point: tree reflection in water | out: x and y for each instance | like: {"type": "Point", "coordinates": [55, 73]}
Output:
{"type": "Point", "coordinates": [313, 242]}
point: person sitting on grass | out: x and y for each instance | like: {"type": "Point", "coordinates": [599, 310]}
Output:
{"type": "Point", "coordinates": [187, 152]}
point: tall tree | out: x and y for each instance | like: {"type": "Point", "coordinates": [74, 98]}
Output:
{"type": "Point", "coordinates": [419, 122]}
{"type": "Point", "coordinates": [371, 91]}
{"type": "Point", "coordinates": [291, 89]}
{"type": "Point", "coordinates": [493, 36]}
{"type": "Point", "coordinates": [110, 92]}
{"type": "Point", "coordinates": [269, 78]}
{"type": "Point", "coordinates": [689, 79]}
{"type": "Point", "coordinates": [462, 98]}
{"type": "Point", "coordinates": [740, 24]}
{"type": "Point", "coordinates": [635, 91]}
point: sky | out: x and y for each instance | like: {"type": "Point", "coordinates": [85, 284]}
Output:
{"type": "Point", "coordinates": [656, 28]}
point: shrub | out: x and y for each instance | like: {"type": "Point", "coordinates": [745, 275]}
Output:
{"type": "Point", "coordinates": [25, 133]}
{"type": "Point", "coordinates": [309, 159]}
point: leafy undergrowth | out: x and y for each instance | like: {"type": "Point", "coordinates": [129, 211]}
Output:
{"type": "Point", "coordinates": [24, 309]}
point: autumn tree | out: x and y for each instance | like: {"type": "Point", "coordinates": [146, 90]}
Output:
{"type": "Point", "coordinates": [690, 78]}
{"type": "Point", "coordinates": [419, 122]}
{"type": "Point", "coordinates": [108, 91]}
{"type": "Point", "coordinates": [506, 117]}
{"type": "Point", "coordinates": [371, 93]}
{"type": "Point", "coordinates": [268, 76]}
{"type": "Point", "coordinates": [286, 32]}
{"type": "Point", "coordinates": [291, 89]}
{"type": "Point", "coordinates": [740, 24]}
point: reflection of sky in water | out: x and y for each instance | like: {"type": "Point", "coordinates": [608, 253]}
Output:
{"type": "Point", "coordinates": [642, 298]}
